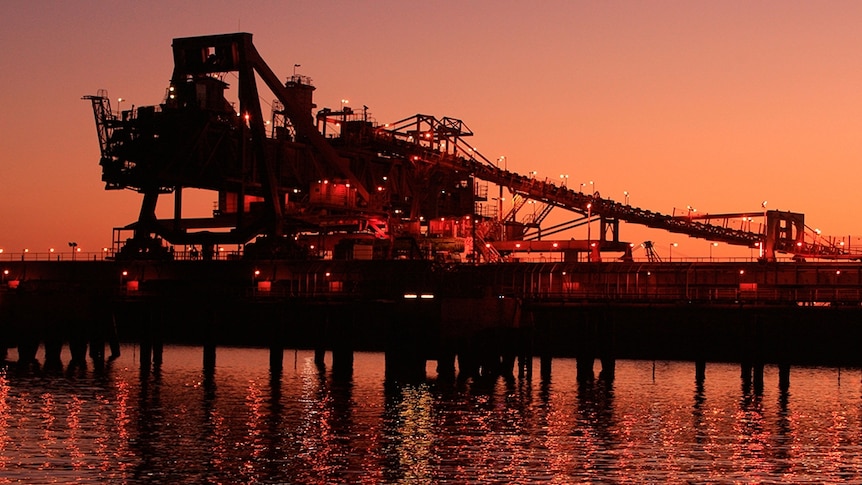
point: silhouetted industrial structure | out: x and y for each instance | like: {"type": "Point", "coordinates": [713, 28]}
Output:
{"type": "Point", "coordinates": [345, 222]}
{"type": "Point", "coordinates": [293, 184]}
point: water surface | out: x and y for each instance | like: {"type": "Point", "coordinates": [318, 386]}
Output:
{"type": "Point", "coordinates": [241, 424]}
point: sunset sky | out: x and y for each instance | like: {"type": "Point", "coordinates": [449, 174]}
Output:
{"type": "Point", "coordinates": [717, 105]}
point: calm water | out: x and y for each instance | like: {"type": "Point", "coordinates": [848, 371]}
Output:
{"type": "Point", "coordinates": [652, 424]}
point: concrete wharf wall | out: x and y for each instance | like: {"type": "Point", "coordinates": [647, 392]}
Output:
{"type": "Point", "coordinates": [483, 317]}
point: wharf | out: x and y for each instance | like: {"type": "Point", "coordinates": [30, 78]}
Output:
{"type": "Point", "coordinates": [485, 316]}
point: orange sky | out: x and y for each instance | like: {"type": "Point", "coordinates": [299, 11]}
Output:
{"type": "Point", "coordinates": [718, 105]}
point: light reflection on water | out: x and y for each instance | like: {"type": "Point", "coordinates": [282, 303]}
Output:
{"type": "Point", "coordinates": [243, 425]}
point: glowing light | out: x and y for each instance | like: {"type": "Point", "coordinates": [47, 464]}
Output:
{"type": "Point", "coordinates": [125, 273]}
{"type": "Point", "coordinates": [257, 272]}
{"type": "Point", "coordinates": [327, 274]}
{"type": "Point", "coordinates": [742, 271]}
{"type": "Point", "coordinates": [426, 296]}
{"type": "Point", "coordinates": [410, 296]}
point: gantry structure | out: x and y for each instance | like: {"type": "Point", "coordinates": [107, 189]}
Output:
{"type": "Point", "coordinates": [298, 183]}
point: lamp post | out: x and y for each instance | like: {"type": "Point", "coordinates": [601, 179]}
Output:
{"type": "Point", "coordinates": [712, 245]}
{"type": "Point", "coordinates": [626, 193]}
{"type": "Point", "coordinates": [691, 211]}
{"type": "Point", "coordinates": [670, 251]}
{"type": "Point", "coordinates": [589, 226]}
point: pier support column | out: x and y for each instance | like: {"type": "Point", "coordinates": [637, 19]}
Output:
{"type": "Point", "coordinates": [745, 373]}
{"type": "Point", "coordinates": [342, 343]}
{"type": "Point", "coordinates": [446, 365]}
{"type": "Point", "coordinates": [784, 377]}
{"type": "Point", "coordinates": [342, 362]}
{"type": "Point", "coordinates": [276, 357]}
{"type": "Point", "coordinates": [757, 377]}
{"type": "Point", "coordinates": [320, 357]}
{"type": "Point", "coordinates": [97, 349]}
{"type": "Point", "coordinates": [27, 348]}
{"type": "Point", "coordinates": [146, 352]}
{"type": "Point", "coordinates": [209, 356]}
{"type": "Point", "coordinates": [525, 353]}
{"type": "Point", "coordinates": [606, 336]}
{"type": "Point", "coordinates": [158, 352]}
{"type": "Point", "coordinates": [609, 370]}
{"type": "Point", "coordinates": [585, 346]}
{"type": "Point", "coordinates": [78, 349]}
{"type": "Point", "coordinates": [468, 364]}
{"type": "Point", "coordinates": [585, 369]}
{"type": "Point", "coordinates": [113, 337]}
{"type": "Point", "coordinates": [545, 366]}
{"type": "Point", "coordinates": [53, 348]}
{"type": "Point", "coordinates": [700, 371]}
{"type": "Point", "coordinates": [543, 344]}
